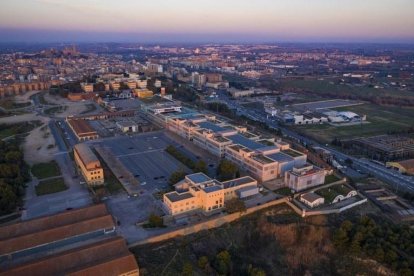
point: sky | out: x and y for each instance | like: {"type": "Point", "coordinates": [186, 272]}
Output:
{"type": "Point", "coordinates": [207, 21]}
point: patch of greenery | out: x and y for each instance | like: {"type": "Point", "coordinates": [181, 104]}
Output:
{"type": "Point", "coordinates": [10, 104]}
{"type": "Point", "coordinates": [7, 130]}
{"type": "Point", "coordinates": [331, 179]}
{"type": "Point", "coordinates": [199, 166]}
{"type": "Point", "coordinates": [45, 170]}
{"type": "Point", "coordinates": [382, 241]}
{"type": "Point", "coordinates": [227, 170]}
{"type": "Point", "coordinates": [14, 173]}
{"type": "Point", "coordinates": [154, 221]}
{"type": "Point", "coordinates": [50, 186]}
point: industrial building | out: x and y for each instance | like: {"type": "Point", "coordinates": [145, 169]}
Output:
{"type": "Point", "coordinates": [75, 242]}
{"type": "Point", "coordinates": [383, 147]}
{"type": "Point", "coordinates": [31, 237]}
{"type": "Point", "coordinates": [127, 126]}
{"type": "Point", "coordinates": [304, 177]}
{"type": "Point", "coordinates": [405, 166]}
{"type": "Point", "coordinates": [89, 165]}
{"type": "Point", "coordinates": [82, 129]}
{"type": "Point", "coordinates": [199, 192]}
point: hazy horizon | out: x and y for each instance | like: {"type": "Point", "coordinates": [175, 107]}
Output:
{"type": "Point", "coordinates": [202, 21]}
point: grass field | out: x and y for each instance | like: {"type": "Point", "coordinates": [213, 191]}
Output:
{"type": "Point", "coordinates": [331, 179]}
{"type": "Point", "coordinates": [45, 170]}
{"type": "Point", "coordinates": [10, 104]}
{"type": "Point", "coordinates": [327, 87]}
{"type": "Point", "coordinates": [7, 130]}
{"type": "Point", "coordinates": [51, 186]}
{"type": "Point", "coordinates": [382, 119]}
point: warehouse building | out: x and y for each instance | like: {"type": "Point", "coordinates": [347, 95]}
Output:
{"type": "Point", "coordinates": [405, 166]}
{"type": "Point", "coordinates": [46, 234]}
{"type": "Point", "coordinates": [89, 165]}
{"type": "Point", "coordinates": [82, 129]}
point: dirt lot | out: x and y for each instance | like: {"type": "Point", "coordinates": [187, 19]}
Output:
{"type": "Point", "coordinates": [73, 108]}
{"type": "Point", "coordinates": [39, 146]}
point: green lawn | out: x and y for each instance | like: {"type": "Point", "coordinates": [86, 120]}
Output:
{"type": "Point", "coordinates": [331, 179]}
{"type": "Point", "coordinates": [45, 170]}
{"type": "Point", "coordinates": [283, 191]}
{"type": "Point", "coordinates": [10, 104]}
{"type": "Point", "coordinates": [50, 186]}
{"type": "Point", "coordinates": [7, 130]}
{"type": "Point", "coordinates": [328, 193]}
{"type": "Point", "coordinates": [382, 119]}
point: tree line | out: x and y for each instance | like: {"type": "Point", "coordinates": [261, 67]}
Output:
{"type": "Point", "coordinates": [14, 173]}
{"type": "Point", "coordinates": [389, 244]}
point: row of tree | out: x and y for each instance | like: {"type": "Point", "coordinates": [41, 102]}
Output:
{"type": "Point", "coordinates": [221, 264]}
{"type": "Point", "coordinates": [384, 242]}
{"type": "Point", "coordinates": [14, 173]}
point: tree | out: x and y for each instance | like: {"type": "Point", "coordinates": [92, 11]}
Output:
{"type": "Point", "coordinates": [155, 221]}
{"type": "Point", "coordinates": [202, 262]}
{"type": "Point", "coordinates": [340, 238]}
{"type": "Point", "coordinates": [8, 199]}
{"type": "Point", "coordinates": [223, 262]}
{"type": "Point", "coordinates": [235, 205]}
{"type": "Point", "coordinates": [255, 271]}
{"type": "Point", "coordinates": [200, 166]}
{"type": "Point", "coordinates": [227, 170]}
{"type": "Point", "coordinates": [187, 269]}
{"type": "Point", "coordinates": [177, 177]}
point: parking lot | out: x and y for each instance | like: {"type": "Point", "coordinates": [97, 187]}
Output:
{"type": "Point", "coordinates": [144, 156]}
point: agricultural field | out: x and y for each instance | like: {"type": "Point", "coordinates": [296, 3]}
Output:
{"type": "Point", "coordinates": [382, 120]}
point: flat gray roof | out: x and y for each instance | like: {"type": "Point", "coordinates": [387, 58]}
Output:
{"type": "Point", "coordinates": [242, 140]}
{"type": "Point", "coordinates": [174, 196]}
{"type": "Point", "coordinates": [198, 178]}
{"type": "Point", "coordinates": [280, 157]}
{"type": "Point", "coordinates": [212, 189]}
{"type": "Point", "coordinates": [238, 182]}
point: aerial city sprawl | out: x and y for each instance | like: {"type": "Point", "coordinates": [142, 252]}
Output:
{"type": "Point", "coordinates": [187, 157]}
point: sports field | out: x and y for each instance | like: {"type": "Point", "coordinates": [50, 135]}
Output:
{"type": "Point", "coordinates": [381, 120]}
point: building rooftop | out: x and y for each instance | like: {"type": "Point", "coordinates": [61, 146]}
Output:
{"type": "Point", "coordinates": [280, 157]}
{"type": "Point", "coordinates": [311, 197]}
{"type": "Point", "coordinates": [174, 196]}
{"type": "Point", "coordinates": [43, 231]}
{"type": "Point", "coordinates": [242, 140]}
{"type": "Point", "coordinates": [81, 127]}
{"type": "Point", "coordinates": [263, 159]}
{"type": "Point", "coordinates": [238, 182]}
{"type": "Point", "coordinates": [211, 126]}
{"type": "Point", "coordinates": [107, 257]}
{"type": "Point", "coordinates": [89, 158]}
{"type": "Point", "coordinates": [292, 153]}
{"type": "Point", "coordinates": [198, 178]}
{"type": "Point", "coordinates": [211, 189]}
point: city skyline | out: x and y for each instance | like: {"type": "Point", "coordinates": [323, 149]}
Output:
{"type": "Point", "coordinates": [207, 21]}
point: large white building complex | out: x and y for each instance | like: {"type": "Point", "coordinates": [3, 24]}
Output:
{"type": "Point", "coordinates": [264, 159]}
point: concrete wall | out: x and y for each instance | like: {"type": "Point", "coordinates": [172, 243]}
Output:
{"type": "Point", "coordinates": [209, 224]}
